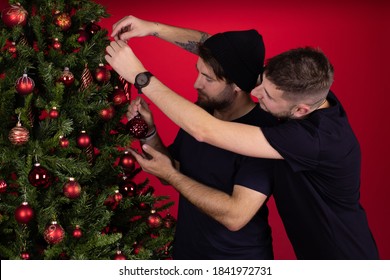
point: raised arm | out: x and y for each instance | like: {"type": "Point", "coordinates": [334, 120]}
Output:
{"type": "Point", "coordinates": [131, 26]}
{"type": "Point", "coordinates": [239, 138]}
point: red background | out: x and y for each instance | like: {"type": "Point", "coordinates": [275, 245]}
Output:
{"type": "Point", "coordinates": [353, 34]}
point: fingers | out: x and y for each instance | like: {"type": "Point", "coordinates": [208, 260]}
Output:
{"type": "Point", "coordinates": [121, 26]}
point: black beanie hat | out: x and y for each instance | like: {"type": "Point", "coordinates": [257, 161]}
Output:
{"type": "Point", "coordinates": [241, 55]}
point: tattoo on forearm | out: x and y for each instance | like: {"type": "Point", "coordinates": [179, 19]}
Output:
{"type": "Point", "coordinates": [193, 46]}
{"type": "Point", "coordinates": [155, 34]}
{"type": "Point", "coordinates": [190, 46]}
{"type": "Point", "coordinates": [204, 37]}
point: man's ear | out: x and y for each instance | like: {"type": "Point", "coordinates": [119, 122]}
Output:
{"type": "Point", "coordinates": [300, 111]}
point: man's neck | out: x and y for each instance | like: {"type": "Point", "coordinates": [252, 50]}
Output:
{"type": "Point", "coordinates": [239, 107]}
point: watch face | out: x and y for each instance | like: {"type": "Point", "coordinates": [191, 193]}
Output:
{"type": "Point", "coordinates": [142, 79]}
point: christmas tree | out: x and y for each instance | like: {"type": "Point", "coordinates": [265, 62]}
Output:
{"type": "Point", "coordinates": [67, 188]}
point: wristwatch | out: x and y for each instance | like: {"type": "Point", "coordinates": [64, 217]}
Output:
{"type": "Point", "coordinates": [142, 80]}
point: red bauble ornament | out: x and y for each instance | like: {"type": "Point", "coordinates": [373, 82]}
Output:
{"type": "Point", "coordinates": [143, 206]}
{"type": "Point", "coordinates": [39, 176]}
{"type": "Point", "coordinates": [119, 256]}
{"type": "Point", "coordinates": [92, 28]}
{"type": "Point", "coordinates": [25, 255]}
{"type": "Point", "coordinates": [72, 189]}
{"type": "Point", "coordinates": [64, 142]}
{"type": "Point", "coordinates": [24, 213]}
{"type": "Point", "coordinates": [3, 186]}
{"type": "Point", "coordinates": [56, 44]}
{"type": "Point", "coordinates": [83, 36]}
{"type": "Point", "coordinates": [63, 20]}
{"type": "Point", "coordinates": [169, 221]}
{"type": "Point", "coordinates": [107, 113]}
{"type": "Point", "coordinates": [137, 127]}
{"type": "Point", "coordinates": [19, 135]}
{"type": "Point", "coordinates": [12, 49]}
{"type": "Point", "coordinates": [67, 78]}
{"type": "Point", "coordinates": [102, 74]}
{"type": "Point", "coordinates": [24, 85]}
{"type": "Point", "coordinates": [119, 97]}
{"type": "Point", "coordinates": [128, 188]}
{"type": "Point", "coordinates": [14, 15]}
{"type": "Point", "coordinates": [154, 220]}
{"type": "Point", "coordinates": [127, 161]}
{"type": "Point", "coordinates": [118, 196]}
{"type": "Point", "coordinates": [53, 113]}
{"type": "Point", "coordinates": [77, 233]}
{"type": "Point", "coordinates": [54, 233]}
{"type": "Point", "coordinates": [83, 140]}
{"type": "Point", "coordinates": [137, 248]}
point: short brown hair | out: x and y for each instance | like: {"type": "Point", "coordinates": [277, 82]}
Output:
{"type": "Point", "coordinates": [301, 73]}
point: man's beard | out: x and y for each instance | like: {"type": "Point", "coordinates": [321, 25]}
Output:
{"type": "Point", "coordinates": [222, 101]}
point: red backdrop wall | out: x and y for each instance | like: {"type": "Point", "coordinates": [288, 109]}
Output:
{"type": "Point", "coordinates": [354, 35]}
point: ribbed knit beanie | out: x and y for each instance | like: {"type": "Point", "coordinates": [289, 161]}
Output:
{"type": "Point", "coordinates": [241, 55]}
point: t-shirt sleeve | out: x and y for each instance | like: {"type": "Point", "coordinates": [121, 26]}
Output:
{"type": "Point", "coordinates": [256, 174]}
{"type": "Point", "coordinates": [297, 142]}
{"type": "Point", "coordinates": [174, 148]}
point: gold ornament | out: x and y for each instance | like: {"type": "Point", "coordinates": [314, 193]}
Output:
{"type": "Point", "coordinates": [18, 135]}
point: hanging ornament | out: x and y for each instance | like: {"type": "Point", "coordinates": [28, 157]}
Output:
{"type": "Point", "coordinates": [3, 186]}
{"type": "Point", "coordinates": [126, 87]}
{"type": "Point", "coordinates": [86, 78]}
{"type": "Point", "coordinates": [92, 28]}
{"type": "Point", "coordinates": [119, 256]}
{"type": "Point", "coordinates": [24, 213]}
{"type": "Point", "coordinates": [83, 36]}
{"type": "Point", "coordinates": [18, 135]}
{"type": "Point", "coordinates": [64, 142]}
{"type": "Point", "coordinates": [25, 255]}
{"type": "Point", "coordinates": [56, 44]}
{"type": "Point", "coordinates": [118, 196]}
{"type": "Point", "coordinates": [154, 220]}
{"type": "Point", "coordinates": [63, 20]}
{"type": "Point", "coordinates": [83, 140]}
{"type": "Point", "coordinates": [143, 206]}
{"type": "Point", "coordinates": [39, 176]}
{"type": "Point", "coordinates": [77, 232]}
{"type": "Point", "coordinates": [128, 188]}
{"type": "Point", "coordinates": [102, 74]}
{"type": "Point", "coordinates": [107, 113]}
{"type": "Point", "coordinates": [72, 189]}
{"type": "Point", "coordinates": [53, 113]}
{"type": "Point", "coordinates": [169, 221]}
{"type": "Point", "coordinates": [119, 97]}
{"type": "Point", "coordinates": [127, 161]}
{"type": "Point", "coordinates": [67, 77]}
{"type": "Point", "coordinates": [90, 153]}
{"type": "Point", "coordinates": [137, 127]}
{"type": "Point", "coordinates": [137, 248]}
{"type": "Point", "coordinates": [24, 85]}
{"type": "Point", "coordinates": [12, 49]}
{"type": "Point", "coordinates": [53, 233]}
{"type": "Point", "coordinates": [14, 15]}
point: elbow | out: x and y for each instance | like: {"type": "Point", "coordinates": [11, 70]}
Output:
{"type": "Point", "coordinates": [200, 133]}
{"type": "Point", "coordinates": [235, 225]}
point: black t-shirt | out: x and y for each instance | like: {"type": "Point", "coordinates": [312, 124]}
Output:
{"type": "Point", "coordinates": [198, 236]}
{"type": "Point", "coordinates": [317, 186]}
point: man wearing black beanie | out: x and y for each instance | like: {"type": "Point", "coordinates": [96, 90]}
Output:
{"type": "Point", "coordinates": [222, 212]}
{"type": "Point", "coordinates": [317, 174]}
